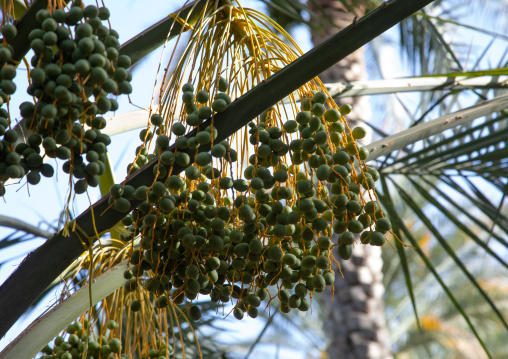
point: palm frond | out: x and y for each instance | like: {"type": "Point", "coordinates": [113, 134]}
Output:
{"type": "Point", "coordinates": [451, 251]}
{"type": "Point", "coordinates": [42, 331]}
{"type": "Point", "coordinates": [439, 184]}
{"type": "Point", "coordinates": [410, 136]}
{"type": "Point", "coordinates": [399, 225]}
{"type": "Point", "coordinates": [20, 225]}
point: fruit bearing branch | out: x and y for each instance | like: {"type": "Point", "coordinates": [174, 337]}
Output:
{"type": "Point", "coordinates": [40, 267]}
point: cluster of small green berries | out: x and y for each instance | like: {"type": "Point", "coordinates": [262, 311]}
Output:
{"type": "Point", "coordinates": [77, 342]}
{"type": "Point", "coordinates": [76, 70]}
{"type": "Point", "coordinates": [8, 70]}
{"type": "Point", "coordinates": [233, 239]}
{"type": "Point", "coordinates": [197, 110]}
{"type": "Point", "coordinates": [9, 167]}
{"type": "Point", "coordinates": [330, 154]}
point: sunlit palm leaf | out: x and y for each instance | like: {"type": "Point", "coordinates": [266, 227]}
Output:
{"type": "Point", "coordinates": [451, 252]}
{"type": "Point", "coordinates": [399, 225]}
{"type": "Point", "coordinates": [438, 169]}
{"type": "Point", "coordinates": [442, 328]}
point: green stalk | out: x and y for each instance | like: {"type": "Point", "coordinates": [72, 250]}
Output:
{"type": "Point", "coordinates": [20, 225]}
{"type": "Point", "coordinates": [37, 271]}
{"type": "Point", "coordinates": [107, 179]}
{"type": "Point", "coordinates": [164, 30]}
{"type": "Point", "coordinates": [425, 130]}
{"type": "Point", "coordinates": [411, 84]}
{"type": "Point", "coordinates": [45, 328]}
{"type": "Point", "coordinates": [105, 182]}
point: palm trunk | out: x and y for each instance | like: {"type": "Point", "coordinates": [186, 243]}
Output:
{"type": "Point", "coordinates": [355, 321]}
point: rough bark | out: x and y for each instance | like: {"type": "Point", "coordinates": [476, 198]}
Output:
{"type": "Point", "coordinates": [355, 316]}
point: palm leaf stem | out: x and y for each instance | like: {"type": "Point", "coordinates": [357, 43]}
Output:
{"type": "Point", "coordinates": [137, 119]}
{"type": "Point", "coordinates": [411, 84]}
{"type": "Point", "coordinates": [429, 108]}
{"type": "Point", "coordinates": [404, 138]}
{"type": "Point", "coordinates": [418, 156]}
{"type": "Point", "coordinates": [45, 328]}
{"type": "Point", "coordinates": [19, 225]}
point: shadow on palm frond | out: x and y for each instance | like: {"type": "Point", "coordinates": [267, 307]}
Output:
{"type": "Point", "coordinates": [453, 186]}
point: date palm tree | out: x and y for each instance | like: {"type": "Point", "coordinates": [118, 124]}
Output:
{"type": "Point", "coordinates": [430, 153]}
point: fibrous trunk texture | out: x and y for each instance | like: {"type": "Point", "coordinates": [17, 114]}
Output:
{"type": "Point", "coordinates": [355, 322]}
